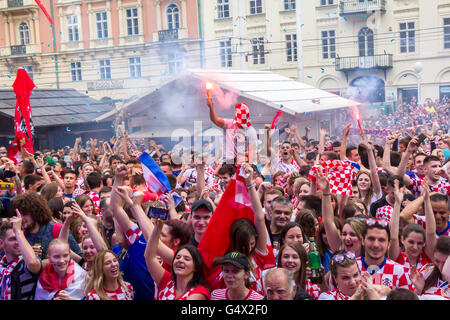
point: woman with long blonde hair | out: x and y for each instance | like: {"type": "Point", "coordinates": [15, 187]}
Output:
{"type": "Point", "coordinates": [106, 282]}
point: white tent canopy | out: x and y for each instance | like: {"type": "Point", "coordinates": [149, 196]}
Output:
{"type": "Point", "coordinates": [179, 102]}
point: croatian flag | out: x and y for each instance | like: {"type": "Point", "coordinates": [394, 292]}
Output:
{"type": "Point", "coordinates": [156, 179]}
{"type": "Point", "coordinates": [276, 119]}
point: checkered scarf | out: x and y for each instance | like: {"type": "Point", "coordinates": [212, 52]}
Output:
{"type": "Point", "coordinates": [242, 117]}
{"type": "Point", "coordinates": [5, 277]}
{"type": "Point", "coordinates": [340, 174]}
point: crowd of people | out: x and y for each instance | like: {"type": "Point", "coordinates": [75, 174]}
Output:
{"type": "Point", "coordinates": [77, 223]}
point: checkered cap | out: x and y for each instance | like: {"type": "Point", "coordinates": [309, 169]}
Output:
{"type": "Point", "coordinates": [340, 174]}
{"type": "Point", "coordinates": [242, 116]}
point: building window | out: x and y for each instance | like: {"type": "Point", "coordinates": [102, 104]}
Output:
{"type": "Point", "coordinates": [289, 5]}
{"type": "Point", "coordinates": [329, 2]}
{"type": "Point", "coordinates": [132, 22]}
{"type": "Point", "coordinates": [175, 61]}
{"type": "Point", "coordinates": [446, 33]}
{"type": "Point", "coordinates": [223, 9]}
{"type": "Point", "coordinates": [72, 28]}
{"type": "Point", "coordinates": [75, 69]}
{"type": "Point", "coordinates": [328, 44]}
{"type": "Point", "coordinates": [256, 6]}
{"type": "Point", "coordinates": [105, 69]}
{"type": "Point", "coordinates": [291, 47]}
{"type": "Point", "coordinates": [173, 17]}
{"type": "Point", "coordinates": [407, 37]}
{"type": "Point", "coordinates": [102, 25]}
{"type": "Point", "coordinates": [135, 67]}
{"type": "Point", "coordinates": [258, 50]}
{"type": "Point", "coordinates": [226, 57]}
{"type": "Point", "coordinates": [29, 70]}
{"type": "Point", "coordinates": [24, 33]}
{"type": "Point", "coordinates": [365, 42]}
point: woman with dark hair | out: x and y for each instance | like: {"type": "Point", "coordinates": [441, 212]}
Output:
{"type": "Point", "coordinates": [186, 281]}
{"type": "Point", "coordinates": [322, 243]}
{"type": "Point", "coordinates": [50, 191]}
{"type": "Point", "coordinates": [56, 206]}
{"type": "Point", "coordinates": [292, 232]}
{"type": "Point", "coordinates": [86, 204]}
{"type": "Point", "coordinates": [293, 257]}
{"type": "Point", "coordinates": [236, 275]}
{"type": "Point", "coordinates": [431, 279]}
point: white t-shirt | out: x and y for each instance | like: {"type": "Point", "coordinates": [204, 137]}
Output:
{"type": "Point", "coordinates": [237, 140]}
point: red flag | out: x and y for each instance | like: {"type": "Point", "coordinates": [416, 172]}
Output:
{"type": "Point", "coordinates": [276, 119]}
{"type": "Point", "coordinates": [23, 124]}
{"type": "Point", "coordinates": [234, 204]}
{"type": "Point", "coordinates": [38, 2]}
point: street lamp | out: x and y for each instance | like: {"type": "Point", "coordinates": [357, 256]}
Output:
{"type": "Point", "coordinates": [418, 67]}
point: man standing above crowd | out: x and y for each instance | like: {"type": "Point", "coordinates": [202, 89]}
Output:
{"type": "Point", "coordinates": [239, 135]}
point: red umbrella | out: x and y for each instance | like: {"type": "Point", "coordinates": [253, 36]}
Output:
{"type": "Point", "coordinates": [23, 123]}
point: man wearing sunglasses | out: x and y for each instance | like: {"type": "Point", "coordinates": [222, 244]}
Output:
{"type": "Point", "coordinates": [384, 271]}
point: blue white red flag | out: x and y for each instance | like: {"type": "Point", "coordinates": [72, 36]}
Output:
{"type": "Point", "coordinates": [156, 179]}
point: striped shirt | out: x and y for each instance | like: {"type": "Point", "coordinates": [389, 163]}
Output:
{"type": "Point", "coordinates": [23, 282]}
{"type": "Point", "coordinates": [222, 294]}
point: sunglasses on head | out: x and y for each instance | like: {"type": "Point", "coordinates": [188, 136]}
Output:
{"type": "Point", "coordinates": [339, 258]}
{"type": "Point", "coordinates": [382, 222]}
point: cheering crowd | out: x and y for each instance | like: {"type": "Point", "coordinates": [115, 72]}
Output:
{"type": "Point", "coordinates": [119, 220]}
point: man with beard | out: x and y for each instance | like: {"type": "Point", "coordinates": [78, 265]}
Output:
{"type": "Point", "coordinates": [384, 271]}
{"type": "Point", "coordinates": [38, 225]}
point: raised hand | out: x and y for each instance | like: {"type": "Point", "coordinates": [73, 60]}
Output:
{"type": "Point", "coordinates": [322, 180]}
{"type": "Point", "coordinates": [16, 222]}
{"type": "Point", "coordinates": [124, 193]}
{"type": "Point", "coordinates": [398, 192]}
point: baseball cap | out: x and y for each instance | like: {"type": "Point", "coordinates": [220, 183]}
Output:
{"type": "Point", "coordinates": [237, 259]}
{"type": "Point", "coordinates": [201, 203]}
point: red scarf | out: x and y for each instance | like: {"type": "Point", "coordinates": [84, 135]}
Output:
{"type": "Point", "coordinates": [49, 279]}
{"type": "Point", "coordinates": [5, 277]}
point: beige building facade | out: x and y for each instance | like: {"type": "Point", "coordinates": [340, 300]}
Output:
{"type": "Point", "coordinates": [111, 49]}
{"type": "Point", "coordinates": [383, 50]}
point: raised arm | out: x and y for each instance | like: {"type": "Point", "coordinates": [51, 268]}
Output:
{"type": "Point", "coordinates": [261, 242]}
{"type": "Point", "coordinates": [376, 185]}
{"type": "Point", "coordinates": [153, 265]}
{"type": "Point", "coordinates": [387, 156]}
{"type": "Point", "coordinates": [97, 239]}
{"type": "Point", "coordinates": [334, 239]}
{"type": "Point", "coordinates": [412, 147]}
{"type": "Point", "coordinates": [394, 249]}
{"type": "Point", "coordinates": [344, 142]}
{"type": "Point", "coordinates": [117, 202]}
{"type": "Point", "coordinates": [212, 114]}
{"type": "Point", "coordinates": [27, 252]}
{"type": "Point", "coordinates": [407, 214]}
{"type": "Point", "coordinates": [430, 221]}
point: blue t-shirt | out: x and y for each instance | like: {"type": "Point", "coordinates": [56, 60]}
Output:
{"type": "Point", "coordinates": [135, 271]}
{"type": "Point", "coordinates": [326, 260]}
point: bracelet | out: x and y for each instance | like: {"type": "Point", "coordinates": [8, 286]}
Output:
{"type": "Point", "coordinates": [252, 184]}
{"type": "Point", "coordinates": [326, 194]}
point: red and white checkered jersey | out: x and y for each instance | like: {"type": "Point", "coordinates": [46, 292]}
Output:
{"type": "Point", "coordinates": [222, 294]}
{"type": "Point", "coordinates": [166, 289]}
{"type": "Point", "coordinates": [385, 213]}
{"type": "Point", "coordinates": [421, 261]}
{"type": "Point", "coordinates": [335, 294]}
{"type": "Point", "coordinates": [120, 293]}
{"type": "Point", "coordinates": [133, 234]}
{"type": "Point", "coordinates": [312, 289]}
{"type": "Point", "coordinates": [420, 220]}
{"type": "Point", "coordinates": [390, 274]}
{"type": "Point", "coordinates": [443, 186]}
{"type": "Point", "coordinates": [340, 174]}
{"type": "Point", "coordinates": [440, 288]}
{"type": "Point", "coordinates": [77, 192]}
{"type": "Point", "coordinates": [279, 165]}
